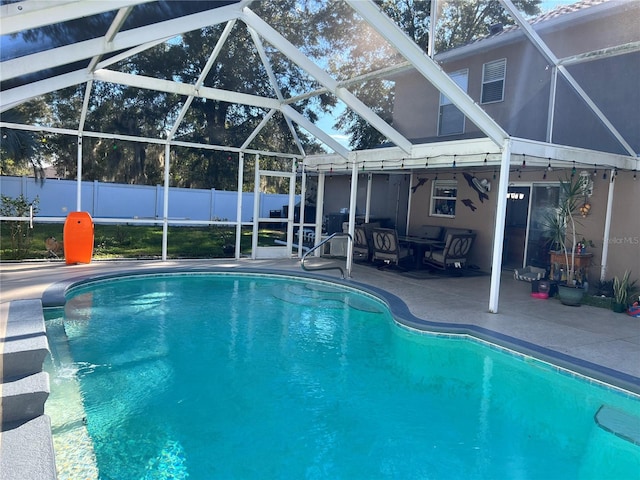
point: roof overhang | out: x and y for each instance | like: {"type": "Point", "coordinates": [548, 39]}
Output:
{"type": "Point", "coordinates": [473, 153]}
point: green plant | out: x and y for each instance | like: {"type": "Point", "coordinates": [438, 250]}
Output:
{"type": "Point", "coordinates": [604, 288]}
{"type": "Point", "coordinates": [561, 225]}
{"type": "Point", "coordinates": [19, 230]}
{"type": "Point", "coordinates": [623, 289]}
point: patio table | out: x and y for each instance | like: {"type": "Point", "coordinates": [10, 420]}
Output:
{"type": "Point", "coordinates": [419, 245]}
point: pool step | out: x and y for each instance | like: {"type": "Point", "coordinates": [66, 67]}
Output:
{"type": "Point", "coordinates": [23, 399]}
{"type": "Point", "coordinates": [25, 338]}
{"type": "Point", "coordinates": [26, 446]}
{"type": "Point", "coordinates": [26, 451]}
{"type": "Point", "coordinates": [621, 424]}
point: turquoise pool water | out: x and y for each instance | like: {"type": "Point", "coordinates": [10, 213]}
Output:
{"type": "Point", "coordinates": [220, 376]}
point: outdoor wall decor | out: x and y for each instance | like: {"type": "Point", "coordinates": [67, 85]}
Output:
{"type": "Point", "coordinates": [467, 202]}
{"type": "Point", "coordinates": [421, 181]}
{"type": "Point", "coordinates": [481, 186]}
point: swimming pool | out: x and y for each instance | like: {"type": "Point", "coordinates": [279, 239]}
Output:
{"type": "Point", "coordinates": [244, 376]}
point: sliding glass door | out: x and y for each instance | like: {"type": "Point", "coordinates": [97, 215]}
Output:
{"type": "Point", "coordinates": [526, 241]}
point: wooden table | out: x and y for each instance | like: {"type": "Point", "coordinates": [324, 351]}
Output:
{"type": "Point", "coordinates": [582, 262]}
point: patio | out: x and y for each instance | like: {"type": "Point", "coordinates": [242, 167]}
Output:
{"type": "Point", "coordinates": [594, 341]}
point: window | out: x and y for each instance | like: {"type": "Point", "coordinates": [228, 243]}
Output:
{"type": "Point", "coordinates": [451, 120]}
{"type": "Point", "coordinates": [443, 198]}
{"type": "Point", "coordinates": [493, 74]}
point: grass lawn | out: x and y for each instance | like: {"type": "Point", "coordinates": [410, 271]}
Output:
{"type": "Point", "coordinates": [134, 241]}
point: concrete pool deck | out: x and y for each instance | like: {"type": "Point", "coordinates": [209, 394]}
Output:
{"type": "Point", "coordinates": [591, 340]}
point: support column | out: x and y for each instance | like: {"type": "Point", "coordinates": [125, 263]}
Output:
{"type": "Point", "coordinates": [352, 210]}
{"type": "Point", "coordinates": [410, 203]}
{"type": "Point", "coordinates": [367, 208]}
{"type": "Point", "coordinates": [256, 206]}
{"type": "Point", "coordinates": [498, 234]}
{"type": "Point", "coordinates": [303, 198]}
{"type": "Point", "coordinates": [239, 205]}
{"type": "Point", "coordinates": [319, 210]}
{"type": "Point", "coordinates": [165, 206]}
{"type": "Point", "coordinates": [607, 227]}
{"type": "Point", "coordinates": [79, 177]}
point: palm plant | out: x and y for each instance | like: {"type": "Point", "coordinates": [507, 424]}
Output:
{"type": "Point", "coordinates": [561, 225]}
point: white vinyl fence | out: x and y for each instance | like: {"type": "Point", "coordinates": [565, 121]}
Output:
{"type": "Point", "coordinates": [110, 200]}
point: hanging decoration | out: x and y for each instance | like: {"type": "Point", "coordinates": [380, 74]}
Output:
{"type": "Point", "coordinates": [467, 202]}
{"type": "Point", "coordinates": [421, 181]}
{"type": "Point", "coordinates": [481, 186]}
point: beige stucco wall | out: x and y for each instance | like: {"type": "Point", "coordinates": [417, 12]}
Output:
{"type": "Point", "coordinates": [623, 241]}
{"type": "Point", "coordinates": [624, 237]}
{"type": "Point", "coordinates": [481, 220]}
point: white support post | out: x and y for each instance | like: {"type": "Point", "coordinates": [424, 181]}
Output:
{"type": "Point", "coordinates": [319, 210]}
{"type": "Point", "coordinates": [165, 200]}
{"type": "Point", "coordinates": [406, 229]}
{"type": "Point", "coordinates": [552, 104]}
{"type": "Point", "coordinates": [367, 211]}
{"type": "Point", "coordinates": [79, 177]}
{"type": "Point", "coordinates": [256, 206]}
{"type": "Point", "coordinates": [303, 195]}
{"type": "Point", "coordinates": [352, 211]}
{"type": "Point", "coordinates": [239, 205]}
{"type": "Point", "coordinates": [292, 212]}
{"type": "Point", "coordinates": [433, 20]}
{"type": "Point", "coordinates": [498, 234]}
{"type": "Point", "coordinates": [96, 198]}
{"type": "Point", "coordinates": [607, 227]}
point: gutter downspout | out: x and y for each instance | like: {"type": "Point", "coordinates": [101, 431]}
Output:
{"type": "Point", "coordinates": [607, 228]}
{"type": "Point", "coordinates": [498, 234]}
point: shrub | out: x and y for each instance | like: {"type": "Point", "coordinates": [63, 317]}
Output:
{"type": "Point", "coordinates": [19, 231]}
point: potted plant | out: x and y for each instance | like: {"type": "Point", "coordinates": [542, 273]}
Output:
{"type": "Point", "coordinates": [623, 290]}
{"type": "Point", "coordinates": [560, 228]}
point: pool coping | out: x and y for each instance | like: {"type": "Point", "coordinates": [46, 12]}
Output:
{"type": "Point", "coordinates": [55, 296]}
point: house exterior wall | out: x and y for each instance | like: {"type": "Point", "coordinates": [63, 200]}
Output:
{"type": "Point", "coordinates": [611, 83]}
{"type": "Point", "coordinates": [623, 240]}
{"type": "Point", "coordinates": [624, 237]}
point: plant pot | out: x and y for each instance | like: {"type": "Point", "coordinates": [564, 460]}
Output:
{"type": "Point", "coordinates": [618, 307]}
{"type": "Point", "coordinates": [570, 295]}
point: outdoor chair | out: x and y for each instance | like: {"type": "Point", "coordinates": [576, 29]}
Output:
{"type": "Point", "coordinates": [361, 248]}
{"type": "Point", "coordinates": [452, 252]}
{"type": "Point", "coordinates": [387, 248]}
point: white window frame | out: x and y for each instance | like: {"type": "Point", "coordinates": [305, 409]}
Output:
{"type": "Point", "coordinates": [493, 79]}
{"type": "Point", "coordinates": [461, 78]}
{"type": "Point", "coordinates": [438, 201]}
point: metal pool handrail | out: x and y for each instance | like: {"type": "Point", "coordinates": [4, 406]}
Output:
{"type": "Point", "coordinates": [331, 267]}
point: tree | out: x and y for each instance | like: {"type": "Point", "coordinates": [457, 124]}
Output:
{"type": "Point", "coordinates": [134, 112]}
{"type": "Point", "coordinates": [19, 231]}
{"type": "Point", "coordinates": [463, 22]}
{"type": "Point", "coordinates": [21, 150]}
